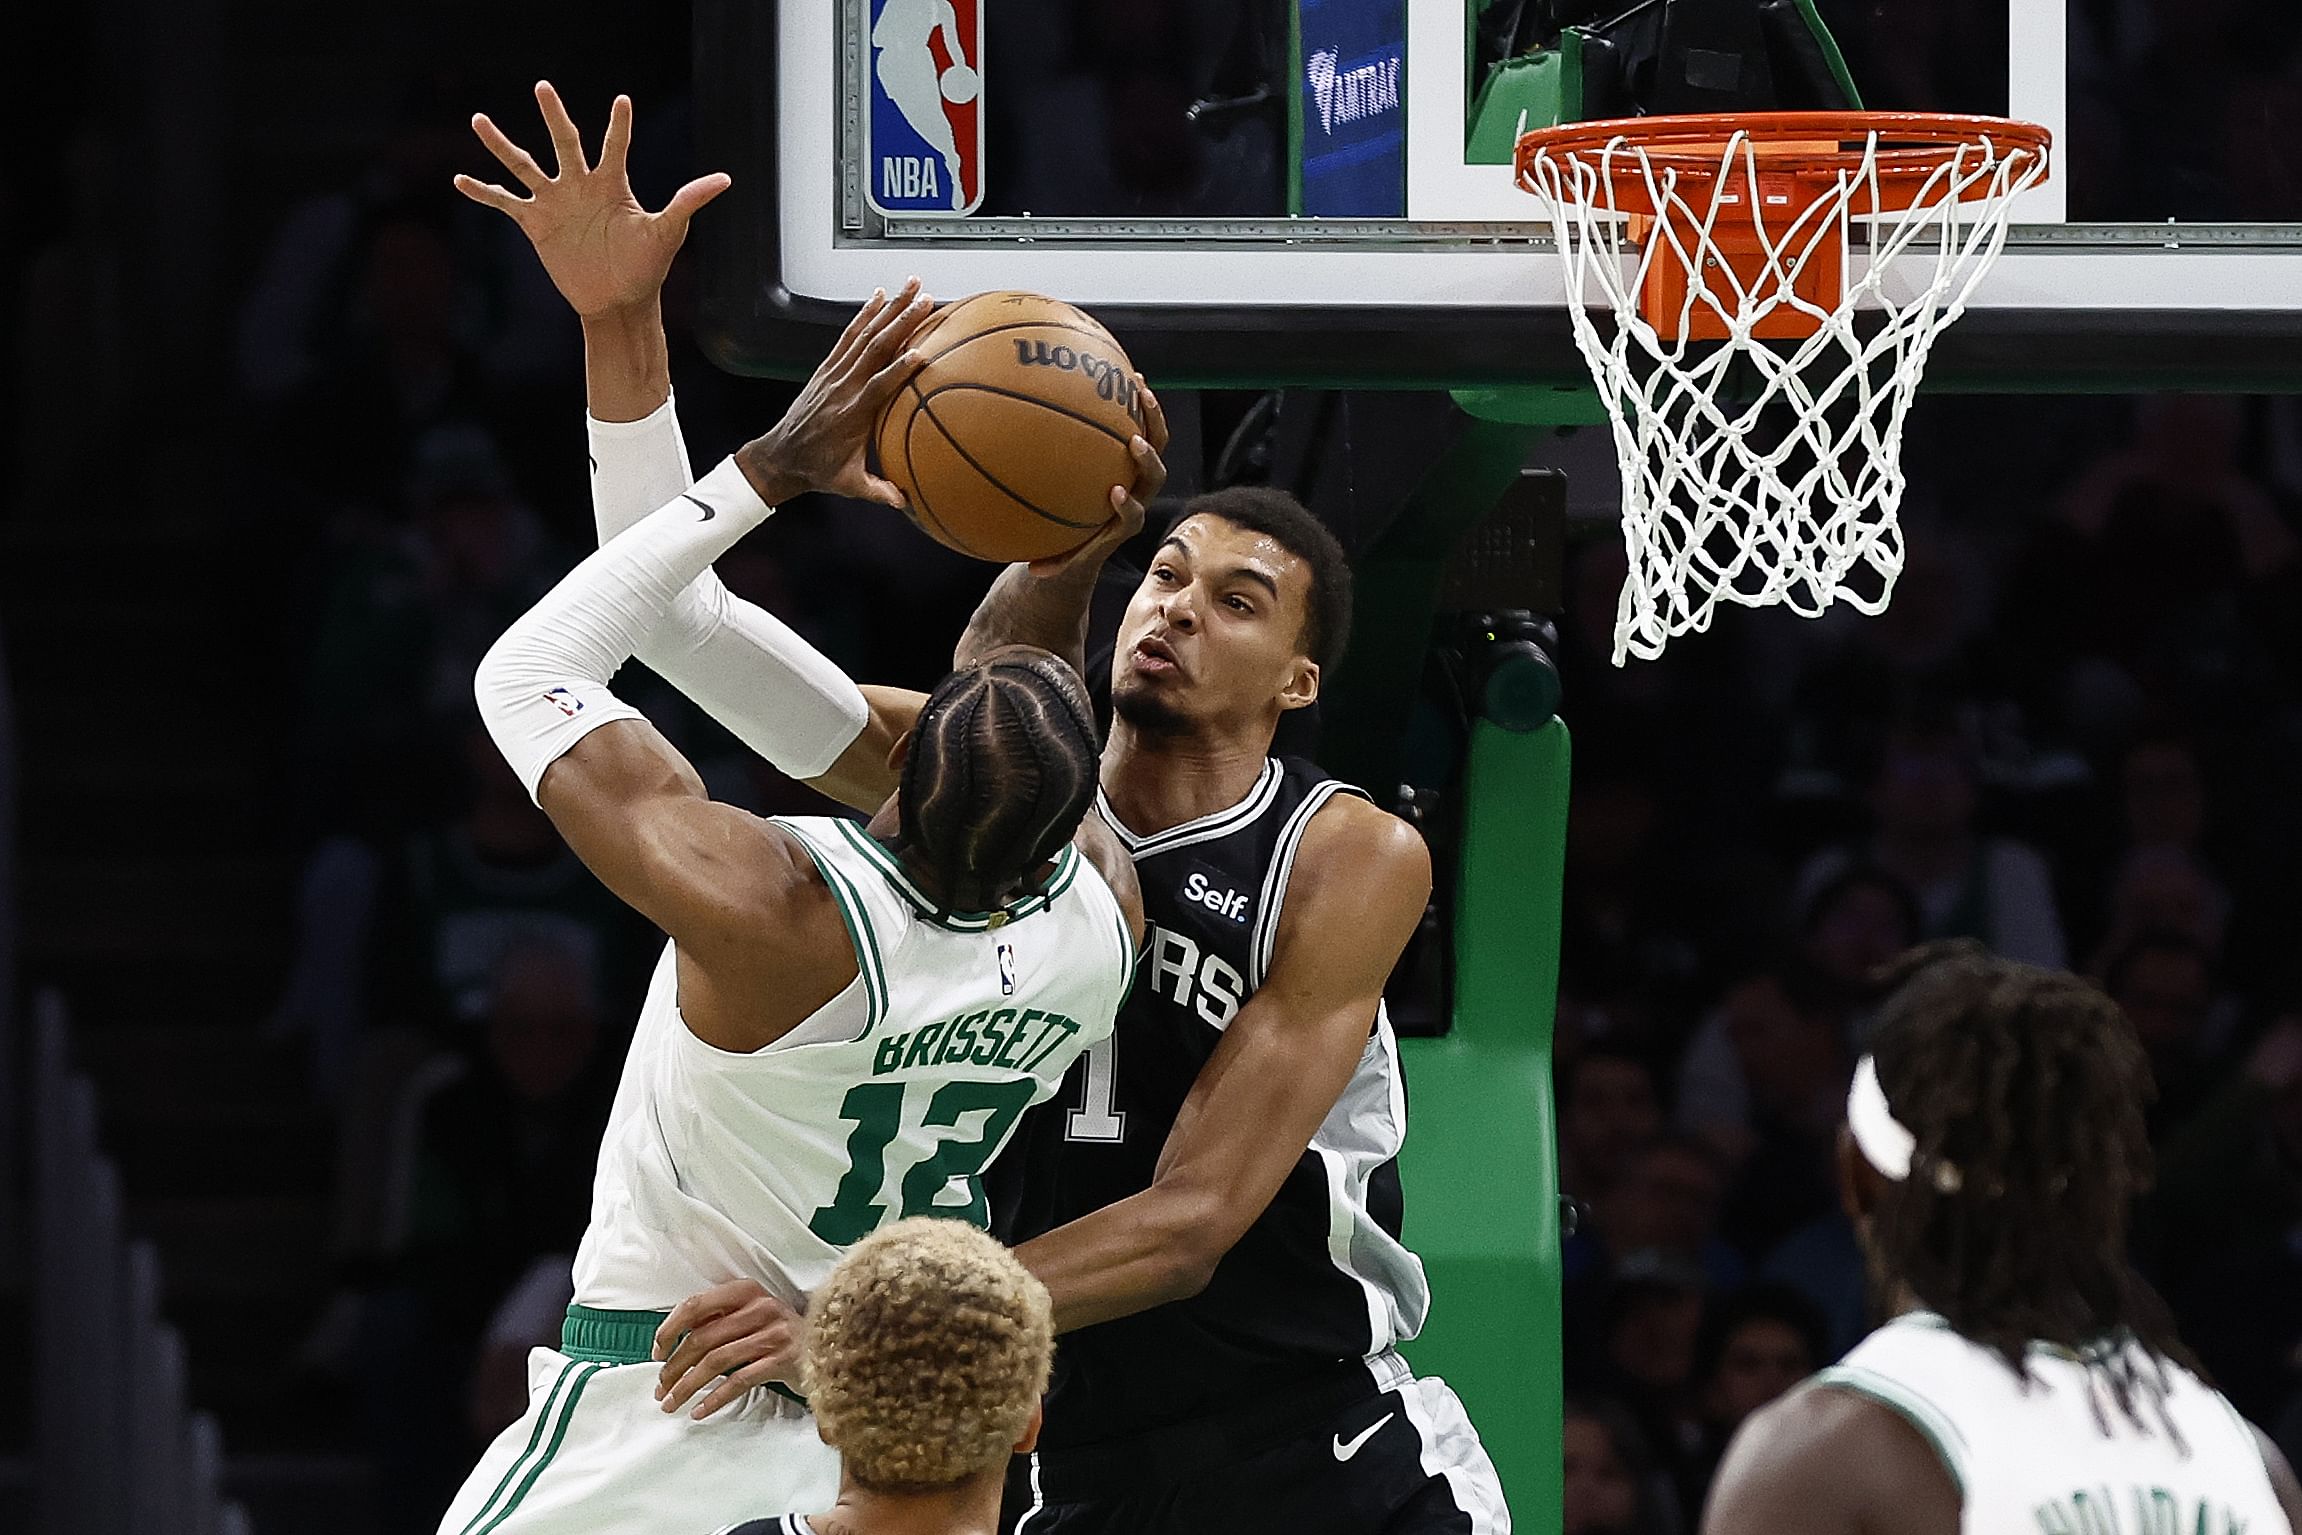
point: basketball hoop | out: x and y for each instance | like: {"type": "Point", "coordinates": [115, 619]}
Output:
{"type": "Point", "coordinates": [1804, 261]}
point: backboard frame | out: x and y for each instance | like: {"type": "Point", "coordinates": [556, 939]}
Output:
{"type": "Point", "coordinates": [2069, 309]}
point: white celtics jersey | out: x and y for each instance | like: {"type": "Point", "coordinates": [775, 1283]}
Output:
{"type": "Point", "coordinates": [886, 1102]}
{"type": "Point", "coordinates": [2059, 1457]}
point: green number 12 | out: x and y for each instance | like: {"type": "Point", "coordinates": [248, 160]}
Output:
{"type": "Point", "coordinates": [876, 1111]}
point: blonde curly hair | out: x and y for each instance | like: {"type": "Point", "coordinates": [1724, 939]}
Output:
{"type": "Point", "coordinates": [927, 1350]}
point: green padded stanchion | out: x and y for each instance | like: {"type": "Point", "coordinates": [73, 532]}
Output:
{"type": "Point", "coordinates": [1480, 1169]}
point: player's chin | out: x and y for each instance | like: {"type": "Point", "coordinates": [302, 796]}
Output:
{"type": "Point", "coordinates": [1150, 704]}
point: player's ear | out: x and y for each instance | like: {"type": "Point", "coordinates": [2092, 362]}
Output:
{"type": "Point", "coordinates": [900, 752]}
{"type": "Point", "coordinates": [1030, 1439]}
{"type": "Point", "coordinates": [1301, 689]}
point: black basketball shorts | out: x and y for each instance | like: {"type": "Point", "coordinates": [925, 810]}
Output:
{"type": "Point", "coordinates": [1362, 1448]}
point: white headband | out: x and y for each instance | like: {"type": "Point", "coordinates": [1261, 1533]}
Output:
{"type": "Point", "coordinates": [1885, 1142]}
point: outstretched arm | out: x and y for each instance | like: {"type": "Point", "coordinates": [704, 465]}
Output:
{"type": "Point", "coordinates": [627, 802]}
{"type": "Point", "coordinates": [609, 258]}
{"type": "Point", "coordinates": [1360, 883]}
{"type": "Point", "coordinates": [1045, 603]}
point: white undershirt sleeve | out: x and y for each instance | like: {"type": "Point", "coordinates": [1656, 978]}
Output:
{"type": "Point", "coordinates": [544, 686]}
{"type": "Point", "coordinates": [740, 664]}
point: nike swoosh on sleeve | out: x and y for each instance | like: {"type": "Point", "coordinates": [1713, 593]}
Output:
{"type": "Point", "coordinates": [708, 513]}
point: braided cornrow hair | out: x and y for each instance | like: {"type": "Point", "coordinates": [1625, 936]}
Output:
{"type": "Point", "coordinates": [1002, 768]}
{"type": "Point", "coordinates": [2025, 1090]}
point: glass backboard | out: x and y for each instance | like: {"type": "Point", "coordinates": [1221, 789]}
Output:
{"type": "Point", "coordinates": [1288, 191]}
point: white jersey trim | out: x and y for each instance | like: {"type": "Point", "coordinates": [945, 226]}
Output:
{"type": "Point", "coordinates": [1038, 1498]}
{"type": "Point", "coordinates": [1362, 1133]}
{"type": "Point", "coordinates": [1220, 823]}
{"type": "Point", "coordinates": [1932, 1425]}
{"type": "Point", "coordinates": [855, 915]}
{"type": "Point", "coordinates": [1450, 1447]}
{"type": "Point", "coordinates": [1275, 883]}
{"type": "Point", "coordinates": [1364, 1130]}
{"type": "Point", "coordinates": [1067, 861]}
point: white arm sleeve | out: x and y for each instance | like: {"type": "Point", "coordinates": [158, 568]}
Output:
{"type": "Point", "coordinates": [636, 466]}
{"type": "Point", "coordinates": [741, 665]}
{"type": "Point", "coordinates": [544, 686]}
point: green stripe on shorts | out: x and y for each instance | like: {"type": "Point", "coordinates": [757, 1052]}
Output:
{"type": "Point", "coordinates": [534, 1437]}
{"type": "Point", "coordinates": [559, 1433]}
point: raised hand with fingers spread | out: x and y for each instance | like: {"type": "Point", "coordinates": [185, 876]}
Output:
{"type": "Point", "coordinates": [602, 250]}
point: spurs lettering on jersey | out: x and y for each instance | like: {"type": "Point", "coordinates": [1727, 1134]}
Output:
{"type": "Point", "coordinates": [1203, 981]}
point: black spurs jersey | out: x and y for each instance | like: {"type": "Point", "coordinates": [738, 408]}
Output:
{"type": "Point", "coordinates": [1321, 1275]}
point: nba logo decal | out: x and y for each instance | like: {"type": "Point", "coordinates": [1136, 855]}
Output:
{"type": "Point", "coordinates": [1006, 971]}
{"type": "Point", "coordinates": [923, 133]}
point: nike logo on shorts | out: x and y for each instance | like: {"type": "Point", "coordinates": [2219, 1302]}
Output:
{"type": "Point", "coordinates": [1345, 1449]}
{"type": "Point", "coordinates": [708, 513]}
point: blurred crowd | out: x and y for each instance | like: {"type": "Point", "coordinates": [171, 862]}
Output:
{"type": "Point", "coordinates": [2074, 736]}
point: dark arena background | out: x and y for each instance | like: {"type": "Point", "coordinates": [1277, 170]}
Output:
{"type": "Point", "coordinates": [309, 1021]}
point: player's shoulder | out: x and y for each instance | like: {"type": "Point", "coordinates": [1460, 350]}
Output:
{"type": "Point", "coordinates": [1831, 1459]}
{"type": "Point", "coordinates": [1356, 884]}
{"type": "Point", "coordinates": [1351, 835]}
{"type": "Point", "coordinates": [769, 878]}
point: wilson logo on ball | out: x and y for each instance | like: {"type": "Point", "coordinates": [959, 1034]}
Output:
{"type": "Point", "coordinates": [1111, 381]}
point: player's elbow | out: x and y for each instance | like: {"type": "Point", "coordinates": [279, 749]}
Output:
{"type": "Point", "coordinates": [1193, 1240]}
{"type": "Point", "coordinates": [1179, 1273]}
{"type": "Point", "coordinates": [1184, 1272]}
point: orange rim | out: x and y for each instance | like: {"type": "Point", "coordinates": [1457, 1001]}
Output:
{"type": "Point", "coordinates": [1812, 147]}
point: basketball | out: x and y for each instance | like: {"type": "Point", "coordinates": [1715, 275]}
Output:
{"type": "Point", "coordinates": [1008, 439]}
{"type": "Point", "coordinates": [960, 85]}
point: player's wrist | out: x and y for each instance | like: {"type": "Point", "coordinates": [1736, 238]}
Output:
{"type": "Point", "coordinates": [627, 361]}
{"type": "Point", "coordinates": [639, 318]}
{"type": "Point", "coordinates": [770, 467]}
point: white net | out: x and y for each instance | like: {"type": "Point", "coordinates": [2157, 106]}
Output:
{"type": "Point", "coordinates": [1758, 471]}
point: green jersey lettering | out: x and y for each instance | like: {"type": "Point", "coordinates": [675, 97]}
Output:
{"type": "Point", "coordinates": [921, 1043]}
{"type": "Point", "coordinates": [1059, 1029]}
{"type": "Point", "coordinates": [1015, 1040]}
{"type": "Point", "coordinates": [889, 1056]}
{"type": "Point", "coordinates": [961, 1160]}
{"type": "Point", "coordinates": [876, 1111]}
{"type": "Point", "coordinates": [2091, 1512]}
{"type": "Point", "coordinates": [993, 1035]}
{"type": "Point", "coordinates": [960, 1040]}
